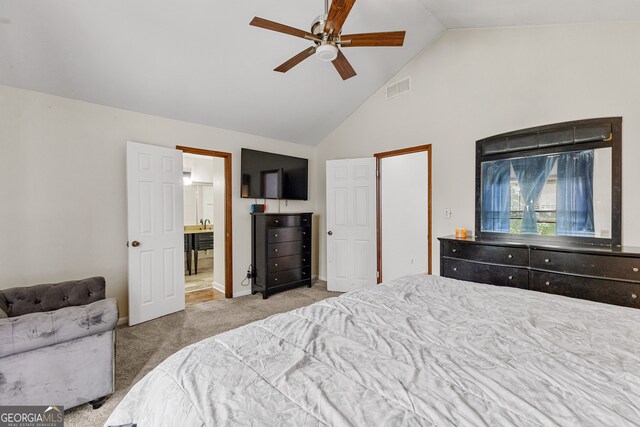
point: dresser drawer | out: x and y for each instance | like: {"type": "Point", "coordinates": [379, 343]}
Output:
{"type": "Point", "coordinates": [288, 220]}
{"type": "Point", "coordinates": [288, 248]}
{"type": "Point", "coordinates": [275, 235]}
{"type": "Point", "coordinates": [600, 290]}
{"type": "Point", "coordinates": [486, 273]}
{"type": "Point", "coordinates": [487, 253]}
{"type": "Point", "coordinates": [613, 267]}
{"type": "Point", "coordinates": [281, 278]}
{"type": "Point", "coordinates": [288, 262]}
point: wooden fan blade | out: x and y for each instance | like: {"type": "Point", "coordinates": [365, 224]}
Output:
{"type": "Point", "coordinates": [391, 38]}
{"type": "Point", "coordinates": [286, 66]}
{"type": "Point", "coordinates": [281, 28]}
{"type": "Point", "coordinates": [337, 15]}
{"type": "Point", "coordinates": [345, 69]}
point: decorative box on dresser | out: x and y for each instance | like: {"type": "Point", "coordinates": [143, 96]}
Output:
{"type": "Point", "coordinates": [281, 252]}
{"type": "Point", "coordinates": [602, 274]}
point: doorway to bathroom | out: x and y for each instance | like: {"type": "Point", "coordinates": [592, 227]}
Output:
{"type": "Point", "coordinates": [206, 225]}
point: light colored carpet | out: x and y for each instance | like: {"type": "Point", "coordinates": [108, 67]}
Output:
{"type": "Point", "coordinates": [142, 347]}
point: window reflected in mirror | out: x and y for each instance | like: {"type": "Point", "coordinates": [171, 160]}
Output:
{"type": "Point", "coordinates": [561, 194]}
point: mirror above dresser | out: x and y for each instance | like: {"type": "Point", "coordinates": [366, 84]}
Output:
{"type": "Point", "coordinates": [554, 183]}
{"type": "Point", "coordinates": [548, 215]}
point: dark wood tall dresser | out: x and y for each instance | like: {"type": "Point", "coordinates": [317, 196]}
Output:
{"type": "Point", "coordinates": [602, 274]}
{"type": "Point", "coordinates": [281, 252]}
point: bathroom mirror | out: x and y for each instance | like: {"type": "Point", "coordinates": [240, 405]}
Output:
{"type": "Point", "coordinates": [198, 203]}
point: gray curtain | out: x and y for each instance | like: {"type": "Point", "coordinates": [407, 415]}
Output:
{"type": "Point", "coordinates": [496, 196]}
{"type": "Point", "coordinates": [532, 174]}
{"type": "Point", "coordinates": [575, 194]}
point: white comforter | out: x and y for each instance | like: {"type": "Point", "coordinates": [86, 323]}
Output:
{"type": "Point", "coordinates": [422, 350]}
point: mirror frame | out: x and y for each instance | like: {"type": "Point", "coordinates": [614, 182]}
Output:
{"type": "Point", "coordinates": [569, 136]}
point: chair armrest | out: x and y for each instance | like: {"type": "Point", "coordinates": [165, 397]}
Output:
{"type": "Point", "coordinates": [36, 330]}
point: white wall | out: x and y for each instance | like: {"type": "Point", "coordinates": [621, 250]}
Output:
{"type": "Point", "coordinates": [471, 84]}
{"type": "Point", "coordinates": [404, 205]}
{"type": "Point", "coordinates": [69, 157]}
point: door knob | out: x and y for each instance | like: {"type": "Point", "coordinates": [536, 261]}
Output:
{"type": "Point", "coordinates": [330, 233]}
{"type": "Point", "coordinates": [135, 243]}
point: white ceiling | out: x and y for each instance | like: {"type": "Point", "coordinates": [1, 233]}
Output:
{"type": "Point", "coordinates": [500, 13]}
{"type": "Point", "coordinates": [200, 61]}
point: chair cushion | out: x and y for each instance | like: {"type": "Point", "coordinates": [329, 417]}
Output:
{"type": "Point", "coordinates": [36, 330]}
{"type": "Point", "coordinates": [47, 297]}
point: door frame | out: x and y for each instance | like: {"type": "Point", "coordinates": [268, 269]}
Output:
{"type": "Point", "coordinates": [400, 152]}
{"type": "Point", "coordinates": [228, 228]}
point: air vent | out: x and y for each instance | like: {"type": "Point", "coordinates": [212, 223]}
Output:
{"type": "Point", "coordinates": [398, 88]}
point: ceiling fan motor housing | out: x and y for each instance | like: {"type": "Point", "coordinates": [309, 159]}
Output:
{"type": "Point", "coordinates": [326, 50]}
{"type": "Point", "coordinates": [317, 26]}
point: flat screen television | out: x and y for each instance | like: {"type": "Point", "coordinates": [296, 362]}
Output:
{"type": "Point", "coordinates": [273, 176]}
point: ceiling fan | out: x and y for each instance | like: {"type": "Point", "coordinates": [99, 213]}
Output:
{"type": "Point", "coordinates": [326, 34]}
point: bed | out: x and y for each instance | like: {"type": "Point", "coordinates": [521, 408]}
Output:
{"type": "Point", "coordinates": [421, 350]}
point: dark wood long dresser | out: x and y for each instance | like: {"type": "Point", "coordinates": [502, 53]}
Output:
{"type": "Point", "coordinates": [281, 252]}
{"type": "Point", "coordinates": [602, 274]}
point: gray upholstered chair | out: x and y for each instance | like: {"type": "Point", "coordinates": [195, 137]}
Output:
{"type": "Point", "coordinates": [57, 344]}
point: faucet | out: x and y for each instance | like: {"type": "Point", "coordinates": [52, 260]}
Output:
{"type": "Point", "coordinates": [205, 223]}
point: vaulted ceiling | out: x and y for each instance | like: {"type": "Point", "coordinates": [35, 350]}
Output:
{"type": "Point", "coordinates": [200, 61]}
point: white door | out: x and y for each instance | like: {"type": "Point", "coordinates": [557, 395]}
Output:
{"type": "Point", "coordinates": [351, 224]}
{"type": "Point", "coordinates": [156, 231]}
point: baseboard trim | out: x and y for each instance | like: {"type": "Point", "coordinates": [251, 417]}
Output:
{"type": "Point", "coordinates": [218, 287]}
{"type": "Point", "coordinates": [324, 279]}
{"type": "Point", "coordinates": [241, 293]}
{"type": "Point", "coordinates": [123, 321]}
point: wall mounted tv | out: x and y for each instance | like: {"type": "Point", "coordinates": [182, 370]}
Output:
{"type": "Point", "coordinates": [273, 176]}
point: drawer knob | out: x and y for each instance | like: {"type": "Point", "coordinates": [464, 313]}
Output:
{"type": "Point", "coordinates": [277, 221]}
{"type": "Point", "coordinates": [547, 260]}
{"type": "Point", "coordinates": [455, 268]}
{"type": "Point", "coordinates": [276, 279]}
{"type": "Point", "coordinates": [454, 250]}
{"type": "Point", "coordinates": [304, 273]}
{"type": "Point", "coordinates": [634, 296]}
{"type": "Point", "coordinates": [510, 256]}
{"type": "Point", "coordinates": [304, 260]}
{"type": "Point", "coordinates": [547, 283]}
{"type": "Point", "coordinates": [635, 269]}
{"type": "Point", "coordinates": [276, 265]}
{"type": "Point", "coordinates": [276, 250]}
{"type": "Point", "coordinates": [304, 232]}
{"type": "Point", "coordinates": [276, 235]}
{"type": "Point", "coordinates": [510, 277]}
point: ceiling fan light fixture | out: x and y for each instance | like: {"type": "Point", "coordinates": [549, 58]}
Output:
{"type": "Point", "coordinates": [326, 52]}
